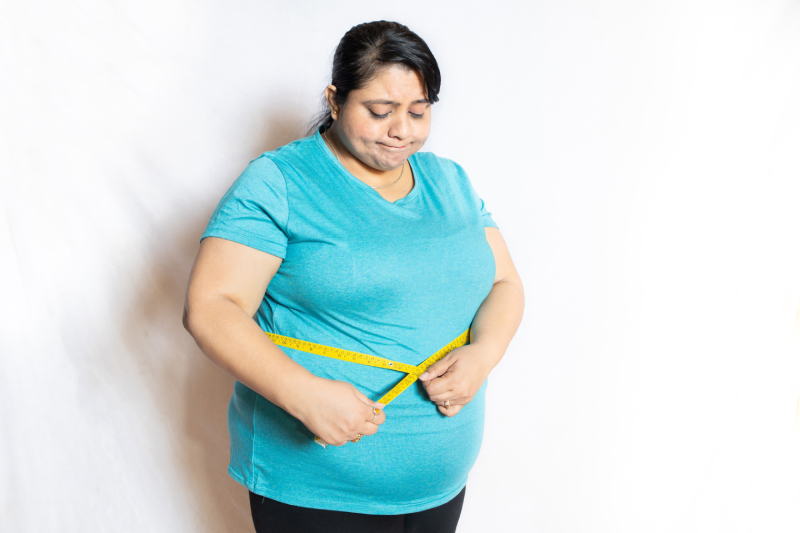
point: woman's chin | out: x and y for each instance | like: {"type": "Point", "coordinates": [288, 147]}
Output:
{"type": "Point", "coordinates": [393, 162]}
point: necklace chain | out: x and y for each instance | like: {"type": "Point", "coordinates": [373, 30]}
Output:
{"type": "Point", "coordinates": [403, 169]}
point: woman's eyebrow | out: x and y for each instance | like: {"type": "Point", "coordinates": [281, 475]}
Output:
{"type": "Point", "coordinates": [390, 102]}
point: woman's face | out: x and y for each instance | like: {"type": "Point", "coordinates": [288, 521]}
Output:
{"type": "Point", "coordinates": [387, 121]}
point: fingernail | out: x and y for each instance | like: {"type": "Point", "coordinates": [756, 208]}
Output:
{"type": "Point", "coordinates": [424, 376]}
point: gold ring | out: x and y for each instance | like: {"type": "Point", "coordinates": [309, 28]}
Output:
{"type": "Point", "coordinates": [358, 438]}
{"type": "Point", "coordinates": [375, 413]}
{"type": "Point", "coordinates": [447, 404]}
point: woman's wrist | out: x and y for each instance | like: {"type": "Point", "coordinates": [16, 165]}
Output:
{"type": "Point", "coordinates": [297, 394]}
{"type": "Point", "coordinates": [488, 355]}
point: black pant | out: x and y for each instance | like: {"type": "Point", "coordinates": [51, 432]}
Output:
{"type": "Point", "coordinates": [270, 516]}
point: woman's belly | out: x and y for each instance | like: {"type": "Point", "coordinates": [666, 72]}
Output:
{"type": "Point", "coordinates": [417, 455]}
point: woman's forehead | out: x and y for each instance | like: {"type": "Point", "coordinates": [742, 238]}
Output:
{"type": "Point", "coordinates": [393, 85]}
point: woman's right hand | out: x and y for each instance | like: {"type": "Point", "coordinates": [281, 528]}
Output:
{"type": "Point", "coordinates": [336, 412]}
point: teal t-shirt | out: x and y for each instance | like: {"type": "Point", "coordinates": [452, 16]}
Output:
{"type": "Point", "coordinates": [398, 280]}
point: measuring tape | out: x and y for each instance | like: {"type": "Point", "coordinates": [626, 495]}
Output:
{"type": "Point", "coordinates": [412, 372]}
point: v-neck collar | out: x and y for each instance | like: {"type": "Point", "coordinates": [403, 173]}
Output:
{"type": "Point", "coordinates": [346, 173]}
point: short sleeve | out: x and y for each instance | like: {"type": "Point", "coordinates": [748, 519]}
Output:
{"type": "Point", "coordinates": [255, 210]}
{"type": "Point", "coordinates": [476, 201]}
{"type": "Point", "coordinates": [486, 216]}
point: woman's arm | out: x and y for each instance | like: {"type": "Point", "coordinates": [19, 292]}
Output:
{"type": "Point", "coordinates": [461, 373]}
{"type": "Point", "coordinates": [226, 287]}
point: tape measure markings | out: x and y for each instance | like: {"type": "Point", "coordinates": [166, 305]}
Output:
{"type": "Point", "coordinates": [338, 353]}
{"type": "Point", "coordinates": [412, 372]}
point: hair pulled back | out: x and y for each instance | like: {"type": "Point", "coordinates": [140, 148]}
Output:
{"type": "Point", "coordinates": [368, 48]}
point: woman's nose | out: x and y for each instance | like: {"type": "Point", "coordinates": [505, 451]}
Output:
{"type": "Point", "coordinates": [400, 128]}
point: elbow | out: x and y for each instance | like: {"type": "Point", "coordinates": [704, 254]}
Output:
{"type": "Point", "coordinates": [186, 319]}
{"type": "Point", "coordinates": [514, 284]}
{"type": "Point", "coordinates": [198, 314]}
{"type": "Point", "coordinates": [194, 310]}
{"type": "Point", "coordinates": [188, 323]}
{"type": "Point", "coordinates": [512, 279]}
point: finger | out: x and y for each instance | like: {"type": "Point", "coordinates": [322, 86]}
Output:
{"type": "Point", "coordinates": [368, 429]}
{"type": "Point", "coordinates": [440, 384]}
{"type": "Point", "coordinates": [443, 397]}
{"type": "Point", "coordinates": [454, 394]}
{"type": "Point", "coordinates": [437, 369]}
{"type": "Point", "coordinates": [441, 393]}
{"type": "Point", "coordinates": [377, 417]}
{"type": "Point", "coordinates": [371, 408]}
{"type": "Point", "coordinates": [364, 398]}
{"type": "Point", "coordinates": [373, 415]}
{"type": "Point", "coordinates": [454, 409]}
{"type": "Point", "coordinates": [443, 383]}
{"type": "Point", "coordinates": [452, 403]}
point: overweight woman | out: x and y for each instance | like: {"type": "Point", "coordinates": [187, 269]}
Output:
{"type": "Point", "coordinates": [337, 267]}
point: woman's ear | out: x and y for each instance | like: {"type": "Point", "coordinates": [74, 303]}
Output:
{"type": "Point", "coordinates": [330, 97]}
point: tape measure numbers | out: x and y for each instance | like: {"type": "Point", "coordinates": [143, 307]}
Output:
{"type": "Point", "coordinates": [412, 372]}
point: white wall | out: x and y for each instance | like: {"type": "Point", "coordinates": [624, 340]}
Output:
{"type": "Point", "coordinates": [641, 159]}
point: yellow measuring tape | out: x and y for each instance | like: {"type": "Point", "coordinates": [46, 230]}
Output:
{"type": "Point", "coordinates": [413, 372]}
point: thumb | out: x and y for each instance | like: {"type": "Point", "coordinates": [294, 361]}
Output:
{"type": "Point", "coordinates": [364, 398]}
{"type": "Point", "coordinates": [437, 369]}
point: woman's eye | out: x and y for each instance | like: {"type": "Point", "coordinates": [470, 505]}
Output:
{"type": "Point", "coordinates": [375, 115]}
{"type": "Point", "coordinates": [416, 115]}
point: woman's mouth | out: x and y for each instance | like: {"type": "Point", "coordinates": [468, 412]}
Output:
{"type": "Point", "coordinates": [394, 148]}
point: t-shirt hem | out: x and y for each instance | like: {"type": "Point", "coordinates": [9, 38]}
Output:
{"type": "Point", "coordinates": [247, 240]}
{"type": "Point", "coordinates": [350, 507]}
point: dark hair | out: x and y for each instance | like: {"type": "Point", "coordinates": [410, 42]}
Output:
{"type": "Point", "coordinates": [367, 49]}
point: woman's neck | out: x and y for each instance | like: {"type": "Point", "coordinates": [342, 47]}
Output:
{"type": "Point", "coordinates": [371, 176]}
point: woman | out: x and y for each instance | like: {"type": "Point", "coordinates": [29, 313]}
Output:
{"type": "Point", "coordinates": [351, 238]}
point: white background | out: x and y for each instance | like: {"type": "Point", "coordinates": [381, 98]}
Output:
{"type": "Point", "coordinates": [641, 159]}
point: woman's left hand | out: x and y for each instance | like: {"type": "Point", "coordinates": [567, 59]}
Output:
{"type": "Point", "coordinates": [456, 378]}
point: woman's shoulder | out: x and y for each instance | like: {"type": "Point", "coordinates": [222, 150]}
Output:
{"type": "Point", "coordinates": [432, 160]}
{"type": "Point", "coordinates": [293, 152]}
{"type": "Point", "coordinates": [451, 176]}
{"type": "Point", "coordinates": [260, 173]}
{"type": "Point", "coordinates": [301, 157]}
{"type": "Point", "coordinates": [441, 167]}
